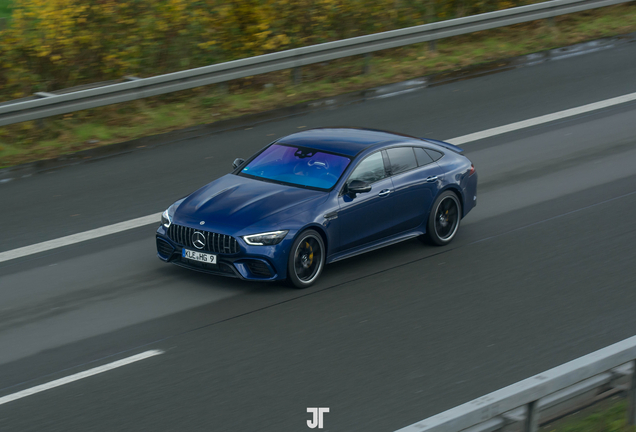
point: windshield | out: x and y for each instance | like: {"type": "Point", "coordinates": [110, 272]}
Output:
{"type": "Point", "coordinates": [300, 166]}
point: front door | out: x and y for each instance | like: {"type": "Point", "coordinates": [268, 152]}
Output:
{"type": "Point", "coordinates": [368, 216]}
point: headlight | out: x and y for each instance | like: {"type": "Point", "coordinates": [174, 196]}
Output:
{"type": "Point", "coordinates": [265, 239]}
{"type": "Point", "coordinates": [166, 220]}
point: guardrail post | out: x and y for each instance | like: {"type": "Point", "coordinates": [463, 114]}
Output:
{"type": "Point", "coordinates": [366, 69]}
{"type": "Point", "coordinates": [631, 398]}
{"type": "Point", "coordinates": [531, 423]}
{"type": "Point", "coordinates": [432, 46]}
{"type": "Point", "coordinates": [297, 75]}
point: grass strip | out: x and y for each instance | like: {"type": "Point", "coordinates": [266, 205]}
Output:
{"type": "Point", "coordinates": [59, 135]}
{"type": "Point", "coordinates": [607, 416]}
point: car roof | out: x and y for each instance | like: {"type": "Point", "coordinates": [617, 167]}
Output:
{"type": "Point", "coordinates": [346, 141]}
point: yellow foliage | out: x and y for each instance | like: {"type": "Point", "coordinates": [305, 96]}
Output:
{"type": "Point", "coordinates": [53, 44]}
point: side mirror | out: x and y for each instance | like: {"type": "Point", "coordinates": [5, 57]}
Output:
{"type": "Point", "coordinates": [356, 187]}
{"type": "Point", "coordinates": [237, 163]}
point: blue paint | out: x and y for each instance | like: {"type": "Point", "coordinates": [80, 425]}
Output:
{"type": "Point", "coordinates": [294, 182]}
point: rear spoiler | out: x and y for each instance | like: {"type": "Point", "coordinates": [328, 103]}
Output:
{"type": "Point", "coordinates": [445, 145]}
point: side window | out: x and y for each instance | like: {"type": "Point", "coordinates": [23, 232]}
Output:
{"type": "Point", "coordinates": [435, 154]}
{"type": "Point", "coordinates": [402, 159]}
{"type": "Point", "coordinates": [422, 157]}
{"type": "Point", "coordinates": [370, 170]}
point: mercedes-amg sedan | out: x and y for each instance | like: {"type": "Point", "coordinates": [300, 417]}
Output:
{"type": "Point", "coordinates": [316, 197]}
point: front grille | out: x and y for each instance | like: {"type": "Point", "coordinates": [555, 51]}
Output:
{"type": "Point", "coordinates": [214, 242]}
{"type": "Point", "coordinates": [258, 268]}
{"type": "Point", "coordinates": [164, 248]}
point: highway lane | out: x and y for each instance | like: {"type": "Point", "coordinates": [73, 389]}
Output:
{"type": "Point", "coordinates": [383, 350]}
{"type": "Point", "coordinates": [235, 347]}
{"type": "Point", "coordinates": [92, 195]}
{"type": "Point", "coordinates": [46, 296]}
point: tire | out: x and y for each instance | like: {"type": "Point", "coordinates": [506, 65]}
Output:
{"type": "Point", "coordinates": [444, 218]}
{"type": "Point", "coordinates": [303, 266]}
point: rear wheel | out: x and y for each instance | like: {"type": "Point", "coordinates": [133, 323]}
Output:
{"type": "Point", "coordinates": [443, 221]}
{"type": "Point", "coordinates": [306, 259]}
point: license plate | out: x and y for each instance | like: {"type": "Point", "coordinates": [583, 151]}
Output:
{"type": "Point", "coordinates": [198, 256]}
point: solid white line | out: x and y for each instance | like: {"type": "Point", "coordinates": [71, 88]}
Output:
{"type": "Point", "coordinates": [78, 376]}
{"type": "Point", "coordinates": [542, 119]}
{"type": "Point", "coordinates": [80, 237]}
{"type": "Point", "coordinates": [154, 218]}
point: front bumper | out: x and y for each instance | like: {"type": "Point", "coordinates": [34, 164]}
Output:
{"type": "Point", "coordinates": [256, 263]}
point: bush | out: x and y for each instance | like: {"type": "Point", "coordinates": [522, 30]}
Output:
{"type": "Point", "coordinates": [54, 44]}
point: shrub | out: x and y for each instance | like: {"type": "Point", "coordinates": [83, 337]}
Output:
{"type": "Point", "coordinates": [54, 44]}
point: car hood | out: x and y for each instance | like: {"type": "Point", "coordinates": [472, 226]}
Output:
{"type": "Point", "coordinates": [234, 202]}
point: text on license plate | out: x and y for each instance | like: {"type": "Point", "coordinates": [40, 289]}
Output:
{"type": "Point", "coordinates": [199, 256]}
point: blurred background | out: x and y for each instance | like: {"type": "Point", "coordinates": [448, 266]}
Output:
{"type": "Point", "coordinates": [49, 46]}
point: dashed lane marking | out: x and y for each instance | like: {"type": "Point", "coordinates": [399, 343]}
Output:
{"type": "Point", "coordinates": [78, 376]}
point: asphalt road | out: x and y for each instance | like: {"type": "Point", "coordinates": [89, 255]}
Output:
{"type": "Point", "coordinates": [541, 272]}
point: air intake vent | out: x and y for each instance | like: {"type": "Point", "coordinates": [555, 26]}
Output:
{"type": "Point", "coordinates": [259, 268]}
{"type": "Point", "coordinates": [164, 248]}
{"type": "Point", "coordinates": [213, 242]}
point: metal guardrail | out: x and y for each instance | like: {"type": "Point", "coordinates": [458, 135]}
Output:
{"type": "Point", "coordinates": [62, 102]}
{"type": "Point", "coordinates": [524, 401]}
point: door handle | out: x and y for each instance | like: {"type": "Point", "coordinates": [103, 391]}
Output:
{"type": "Point", "coordinates": [385, 192]}
{"type": "Point", "coordinates": [431, 178]}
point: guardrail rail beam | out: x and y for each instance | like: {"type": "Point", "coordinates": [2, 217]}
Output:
{"type": "Point", "coordinates": [65, 101]}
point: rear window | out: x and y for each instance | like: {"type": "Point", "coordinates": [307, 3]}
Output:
{"type": "Point", "coordinates": [435, 154]}
{"type": "Point", "coordinates": [402, 159]}
{"type": "Point", "coordinates": [423, 158]}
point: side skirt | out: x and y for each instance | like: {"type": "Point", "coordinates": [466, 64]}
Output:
{"type": "Point", "coordinates": [373, 246]}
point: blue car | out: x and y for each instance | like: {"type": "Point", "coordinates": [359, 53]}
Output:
{"type": "Point", "coordinates": [316, 197]}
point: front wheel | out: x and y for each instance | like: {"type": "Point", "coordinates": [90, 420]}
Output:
{"type": "Point", "coordinates": [443, 221]}
{"type": "Point", "coordinates": [306, 259]}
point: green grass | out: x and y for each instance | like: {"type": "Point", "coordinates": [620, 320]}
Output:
{"type": "Point", "coordinates": [90, 131]}
{"type": "Point", "coordinates": [5, 9]}
{"type": "Point", "coordinates": [607, 416]}
{"type": "Point", "coordinates": [54, 136]}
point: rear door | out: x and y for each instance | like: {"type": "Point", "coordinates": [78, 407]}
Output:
{"type": "Point", "coordinates": [416, 180]}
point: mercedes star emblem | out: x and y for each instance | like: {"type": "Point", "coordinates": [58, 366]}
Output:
{"type": "Point", "coordinates": [198, 240]}
{"type": "Point", "coordinates": [202, 223]}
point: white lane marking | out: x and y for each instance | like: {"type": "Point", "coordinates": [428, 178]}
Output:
{"type": "Point", "coordinates": [396, 93]}
{"type": "Point", "coordinates": [154, 218]}
{"type": "Point", "coordinates": [80, 237]}
{"type": "Point", "coordinates": [78, 376]}
{"type": "Point", "coordinates": [542, 119]}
